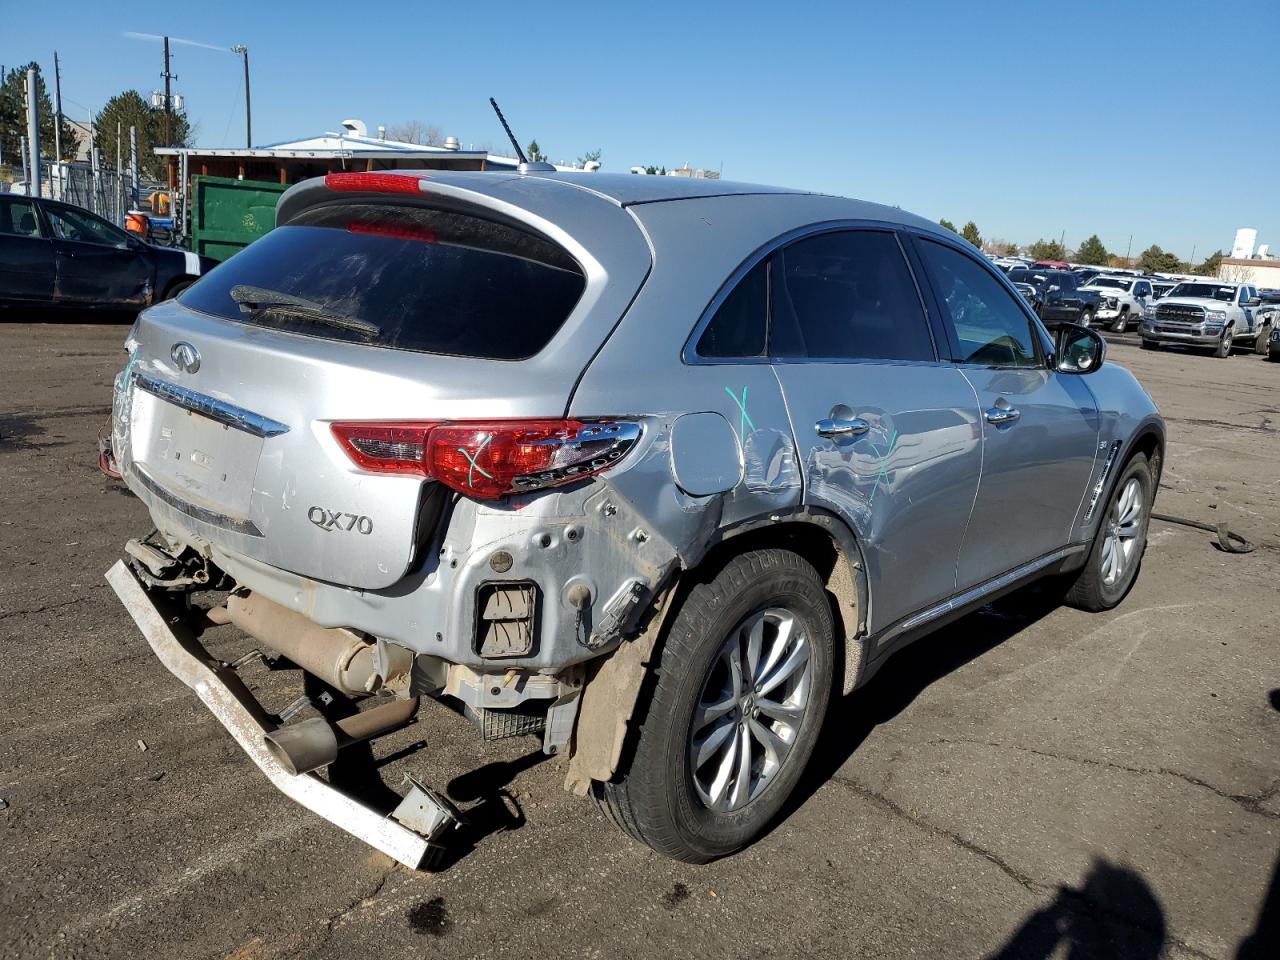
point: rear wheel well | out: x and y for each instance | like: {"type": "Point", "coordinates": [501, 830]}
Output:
{"type": "Point", "coordinates": [839, 566]}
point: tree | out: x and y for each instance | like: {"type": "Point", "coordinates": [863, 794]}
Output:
{"type": "Point", "coordinates": [591, 156]}
{"type": "Point", "coordinates": [1047, 250]}
{"type": "Point", "coordinates": [1211, 264]}
{"type": "Point", "coordinates": [415, 131]}
{"type": "Point", "coordinates": [1155, 260]}
{"type": "Point", "coordinates": [13, 118]}
{"type": "Point", "coordinates": [970, 233]}
{"type": "Point", "coordinates": [128, 109]}
{"type": "Point", "coordinates": [1004, 248]}
{"type": "Point", "coordinates": [1093, 252]}
{"type": "Point", "coordinates": [944, 222]}
{"type": "Point", "coordinates": [534, 152]}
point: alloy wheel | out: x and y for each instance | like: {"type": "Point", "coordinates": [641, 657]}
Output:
{"type": "Point", "coordinates": [1122, 546]}
{"type": "Point", "coordinates": [753, 701]}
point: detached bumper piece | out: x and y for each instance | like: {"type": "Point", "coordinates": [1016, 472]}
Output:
{"type": "Point", "coordinates": [413, 833]}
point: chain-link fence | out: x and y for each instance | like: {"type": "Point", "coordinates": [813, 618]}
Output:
{"type": "Point", "coordinates": [106, 192]}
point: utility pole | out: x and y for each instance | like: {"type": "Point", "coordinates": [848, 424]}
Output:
{"type": "Point", "coordinates": [33, 133]}
{"type": "Point", "coordinates": [1128, 250]}
{"type": "Point", "coordinates": [57, 107]}
{"type": "Point", "coordinates": [168, 97]}
{"type": "Point", "coordinates": [248, 110]}
{"type": "Point", "coordinates": [1192, 262]}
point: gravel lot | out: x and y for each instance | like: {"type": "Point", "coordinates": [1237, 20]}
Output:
{"type": "Point", "coordinates": [1029, 781]}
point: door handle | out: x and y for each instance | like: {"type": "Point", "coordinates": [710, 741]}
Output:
{"type": "Point", "coordinates": [836, 427]}
{"type": "Point", "coordinates": [1000, 415]}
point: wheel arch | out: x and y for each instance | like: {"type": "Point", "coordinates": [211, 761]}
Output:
{"type": "Point", "coordinates": [614, 697]}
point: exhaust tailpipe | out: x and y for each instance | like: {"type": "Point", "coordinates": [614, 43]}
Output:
{"type": "Point", "coordinates": [314, 743]}
{"type": "Point", "coordinates": [338, 657]}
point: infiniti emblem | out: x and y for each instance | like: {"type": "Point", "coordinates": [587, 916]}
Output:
{"type": "Point", "coordinates": [185, 356]}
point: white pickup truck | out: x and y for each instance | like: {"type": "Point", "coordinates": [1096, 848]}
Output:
{"type": "Point", "coordinates": [1212, 314]}
{"type": "Point", "coordinates": [1121, 299]}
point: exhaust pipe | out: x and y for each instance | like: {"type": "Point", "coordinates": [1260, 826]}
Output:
{"type": "Point", "coordinates": [338, 657]}
{"type": "Point", "coordinates": [314, 743]}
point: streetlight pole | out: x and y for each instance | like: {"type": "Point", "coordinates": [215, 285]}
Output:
{"type": "Point", "coordinates": [248, 110]}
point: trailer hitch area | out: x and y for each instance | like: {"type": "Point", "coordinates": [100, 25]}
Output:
{"type": "Point", "coordinates": [414, 833]}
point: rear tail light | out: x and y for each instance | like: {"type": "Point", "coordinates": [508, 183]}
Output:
{"type": "Point", "coordinates": [490, 459]}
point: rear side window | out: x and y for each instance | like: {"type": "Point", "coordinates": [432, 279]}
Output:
{"type": "Point", "coordinates": [991, 327]}
{"type": "Point", "coordinates": [739, 327]}
{"type": "Point", "coordinates": [18, 218]}
{"type": "Point", "coordinates": [407, 278]}
{"type": "Point", "coordinates": [847, 295]}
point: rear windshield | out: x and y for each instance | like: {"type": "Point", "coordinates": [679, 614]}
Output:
{"type": "Point", "coordinates": [408, 278]}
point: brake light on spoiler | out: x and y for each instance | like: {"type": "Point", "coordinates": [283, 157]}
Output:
{"type": "Point", "coordinates": [489, 459]}
{"type": "Point", "coordinates": [374, 182]}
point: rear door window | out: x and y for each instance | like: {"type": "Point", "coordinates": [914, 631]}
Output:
{"type": "Point", "coordinates": [847, 295]}
{"type": "Point", "coordinates": [407, 278]}
{"type": "Point", "coordinates": [18, 218]}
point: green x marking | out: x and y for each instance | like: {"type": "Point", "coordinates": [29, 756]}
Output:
{"type": "Point", "coordinates": [744, 421]}
{"type": "Point", "coordinates": [472, 460]}
{"type": "Point", "coordinates": [884, 465]}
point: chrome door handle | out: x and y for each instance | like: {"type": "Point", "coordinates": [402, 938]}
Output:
{"type": "Point", "coordinates": [1000, 415]}
{"type": "Point", "coordinates": [838, 427]}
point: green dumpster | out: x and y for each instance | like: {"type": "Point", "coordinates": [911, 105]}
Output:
{"type": "Point", "coordinates": [228, 214]}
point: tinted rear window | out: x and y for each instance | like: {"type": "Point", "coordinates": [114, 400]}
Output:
{"type": "Point", "coordinates": [430, 280]}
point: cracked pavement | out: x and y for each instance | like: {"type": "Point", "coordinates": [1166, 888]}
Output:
{"type": "Point", "coordinates": [1030, 781]}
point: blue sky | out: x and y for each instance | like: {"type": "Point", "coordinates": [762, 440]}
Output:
{"type": "Point", "coordinates": [1156, 119]}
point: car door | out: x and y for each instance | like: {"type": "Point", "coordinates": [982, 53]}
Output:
{"type": "Point", "coordinates": [96, 263]}
{"type": "Point", "coordinates": [1039, 428]}
{"type": "Point", "coordinates": [1142, 297]}
{"type": "Point", "coordinates": [26, 253]}
{"type": "Point", "coordinates": [887, 434]}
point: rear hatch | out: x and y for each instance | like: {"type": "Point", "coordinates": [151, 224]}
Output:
{"type": "Point", "coordinates": [450, 304]}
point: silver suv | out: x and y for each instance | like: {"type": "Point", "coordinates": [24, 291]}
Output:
{"type": "Point", "coordinates": [650, 468]}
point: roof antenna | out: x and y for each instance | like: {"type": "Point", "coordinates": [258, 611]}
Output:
{"type": "Point", "coordinates": [525, 165]}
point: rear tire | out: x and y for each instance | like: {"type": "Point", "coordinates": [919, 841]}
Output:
{"type": "Point", "coordinates": [688, 792]}
{"type": "Point", "coordinates": [1086, 318]}
{"type": "Point", "coordinates": [1121, 540]}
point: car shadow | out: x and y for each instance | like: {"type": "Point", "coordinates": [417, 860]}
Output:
{"type": "Point", "coordinates": [909, 672]}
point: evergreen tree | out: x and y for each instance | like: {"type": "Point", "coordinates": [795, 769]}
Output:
{"type": "Point", "coordinates": [13, 118]}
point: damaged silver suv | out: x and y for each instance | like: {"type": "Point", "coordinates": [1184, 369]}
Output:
{"type": "Point", "coordinates": [648, 467]}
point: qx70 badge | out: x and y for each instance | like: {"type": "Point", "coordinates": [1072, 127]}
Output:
{"type": "Point", "coordinates": [333, 520]}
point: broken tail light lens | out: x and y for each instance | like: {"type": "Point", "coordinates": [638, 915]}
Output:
{"type": "Point", "coordinates": [490, 459]}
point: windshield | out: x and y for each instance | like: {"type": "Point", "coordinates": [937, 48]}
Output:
{"type": "Point", "coordinates": [1206, 291]}
{"type": "Point", "coordinates": [1110, 282]}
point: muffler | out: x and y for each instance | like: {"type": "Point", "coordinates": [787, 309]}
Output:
{"type": "Point", "coordinates": [339, 657]}
{"type": "Point", "coordinates": [311, 744]}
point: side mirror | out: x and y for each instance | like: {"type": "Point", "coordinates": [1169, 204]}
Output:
{"type": "Point", "coordinates": [1080, 350]}
{"type": "Point", "coordinates": [1053, 288]}
{"type": "Point", "coordinates": [1254, 302]}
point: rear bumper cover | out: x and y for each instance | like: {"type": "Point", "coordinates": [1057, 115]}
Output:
{"type": "Point", "coordinates": [236, 709]}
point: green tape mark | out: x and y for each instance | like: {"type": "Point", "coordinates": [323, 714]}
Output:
{"type": "Point", "coordinates": [744, 421]}
{"type": "Point", "coordinates": [884, 465]}
{"type": "Point", "coordinates": [472, 460]}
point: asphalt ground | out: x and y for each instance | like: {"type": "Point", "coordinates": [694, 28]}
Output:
{"type": "Point", "coordinates": [1031, 781]}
